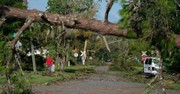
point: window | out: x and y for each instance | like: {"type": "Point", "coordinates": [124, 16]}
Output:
{"type": "Point", "coordinates": [148, 61]}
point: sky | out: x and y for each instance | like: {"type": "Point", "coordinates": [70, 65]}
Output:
{"type": "Point", "coordinates": [113, 14]}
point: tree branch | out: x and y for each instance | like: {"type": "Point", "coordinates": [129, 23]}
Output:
{"type": "Point", "coordinates": [2, 20]}
{"type": "Point", "coordinates": [26, 25]}
{"type": "Point", "coordinates": [106, 44]}
{"type": "Point", "coordinates": [108, 8]}
{"type": "Point", "coordinates": [160, 71]}
{"type": "Point", "coordinates": [176, 2]}
{"type": "Point", "coordinates": [69, 21]}
{"type": "Point", "coordinates": [72, 22]}
{"type": "Point", "coordinates": [177, 41]}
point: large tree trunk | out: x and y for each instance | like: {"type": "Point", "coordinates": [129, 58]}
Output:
{"type": "Point", "coordinates": [71, 22]}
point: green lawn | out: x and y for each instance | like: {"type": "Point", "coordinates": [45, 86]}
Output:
{"type": "Point", "coordinates": [72, 72]}
{"type": "Point", "coordinates": [175, 86]}
{"type": "Point", "coordinates": [40, 79]}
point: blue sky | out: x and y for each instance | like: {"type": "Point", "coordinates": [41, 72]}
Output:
{"type": "Point", "coordinates": [113, 14]}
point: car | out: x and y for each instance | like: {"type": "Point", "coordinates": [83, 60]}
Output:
{"type": "Point", "coordinates": [151, 66]}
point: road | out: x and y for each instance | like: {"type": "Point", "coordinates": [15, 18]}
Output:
{"type": "Point", "coordinates": [103, 82]}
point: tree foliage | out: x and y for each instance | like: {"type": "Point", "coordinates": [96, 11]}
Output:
{"type": "Point", "coordinates": [156, 21]}
{"type": "Point", "coordinates": [81, 8]}
{"type": "Point", "coordinates": [14, 75]}
{"type": "Point", "coordinates": [69, 7]}
{"type": "Point", "coordinates": [9, 27]}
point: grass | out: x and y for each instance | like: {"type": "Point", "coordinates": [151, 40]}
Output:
{"type": "Point", "coordinates": [40, 79]}
{"type": "Point", "coordinates": [172, 85]}
{"type": "Point", "coordinates": [132, 74]}
{"type": "Point", "coordinates": [2, 79]}
{"type": "Point", "coordinates": [72, 72]}
{"type": "Point", "coordinates": [73, 69]}
{"type": "Point", "coordinates": [136, 75]}
{"type": "Point", "coordinates": [175, 86]}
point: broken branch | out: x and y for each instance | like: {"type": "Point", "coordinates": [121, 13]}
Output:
{"type": "Point", "coordinates": [108, 8]}
{"type": "Point", "coordinates": [26, 25]}
{"type": "Point", "coordinates": [78, 23]}
{"type": "Point", "coordinates": [2, 20]}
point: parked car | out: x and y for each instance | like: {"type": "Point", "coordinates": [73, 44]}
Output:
{"type": "Point", "coordinates": [151, 66]}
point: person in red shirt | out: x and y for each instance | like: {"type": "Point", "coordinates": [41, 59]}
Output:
{"type": "Point", "coordinates": [49, 62]}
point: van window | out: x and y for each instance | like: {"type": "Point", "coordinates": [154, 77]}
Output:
{"type": "Point", "coordinates": [148, 61]}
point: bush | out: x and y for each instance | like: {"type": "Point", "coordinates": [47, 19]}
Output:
{"type": "Point", "coordinates": [28, 65]}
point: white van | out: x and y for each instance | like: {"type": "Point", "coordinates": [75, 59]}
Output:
{"type": "Point", "coordinates": [151, 66]}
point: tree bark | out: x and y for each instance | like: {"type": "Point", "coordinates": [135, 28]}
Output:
{"type": "Point", "coordinates": [106, 44]}
{"type": "Point", "coordinates": [2, 20]}
{"type": "Point", "coordinates": [85, 51]}
{"type": "Point", "coordinates": [33, 57]}
{"type": "Point", "coordinates": [177, 41]}
{"type": "Point", "coordinates": [108, 8]}
{"type": "Point", "coordinates": [71, 22]}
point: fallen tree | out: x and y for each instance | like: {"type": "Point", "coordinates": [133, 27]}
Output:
{"type": "Point", "coordinates": [103, 28]}
{"type": "Point", "coordinates": [72, 22]}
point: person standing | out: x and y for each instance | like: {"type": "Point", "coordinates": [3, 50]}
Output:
{"type": "Point", "coordinates": [60, 61]}
{"type": "Point", "coordinates": [49, 63]}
